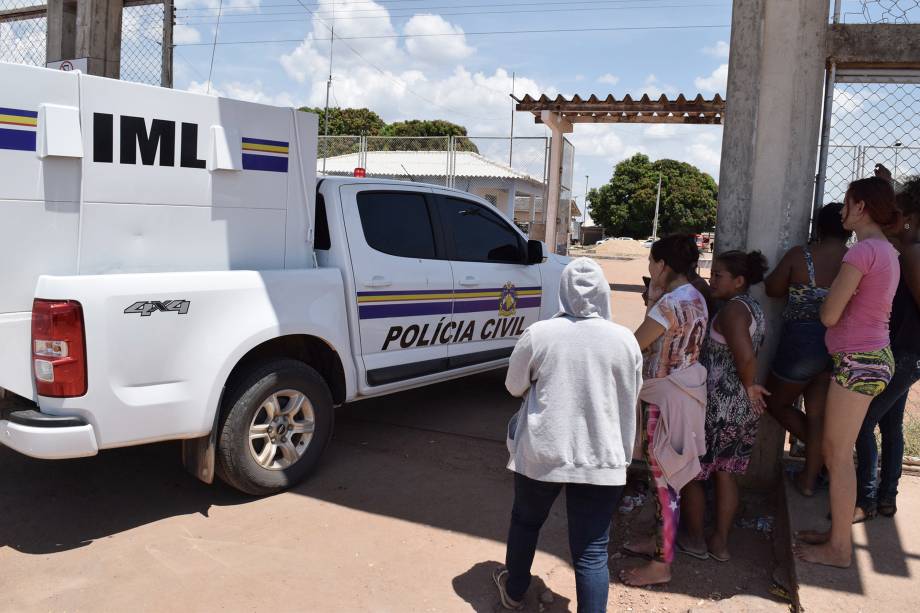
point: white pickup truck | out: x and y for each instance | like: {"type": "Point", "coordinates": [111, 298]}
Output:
{"type": "Point", "coordinates": [170, 268]}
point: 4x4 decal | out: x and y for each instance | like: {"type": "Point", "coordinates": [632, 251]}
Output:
{"type": "Point", "coordinates": [144, 309]}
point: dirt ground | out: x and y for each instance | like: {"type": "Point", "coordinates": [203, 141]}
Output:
{"type": "Point", "coordinates": [408, 512]}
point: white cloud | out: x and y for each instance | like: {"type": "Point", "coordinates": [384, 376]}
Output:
{"type": "Point", "coordinates": [609, 79]}
{"type": "Point", "coordinates": [185, 34]}
{"type": "Point", "coordinates": [715, 82]}
{"type": "Point", "coordinates": [436, 50]}
{"type": "Point", "coordinates": [720, 50]}
{"type": "Point", "coordinates": [661, 130]}
{"type": "Point", "coordinates": [250, 92]}
{"type": "Point", "coordinates": [655, 88]}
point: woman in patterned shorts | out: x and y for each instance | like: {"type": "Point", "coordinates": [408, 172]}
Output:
{"type": "Point", "coordinates": [856, 313]}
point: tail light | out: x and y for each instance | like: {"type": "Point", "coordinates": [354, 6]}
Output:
{"type": "Point", "coordinates": [58, 348]}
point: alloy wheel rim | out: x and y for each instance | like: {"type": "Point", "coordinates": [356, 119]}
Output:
{"type": "Point", "coordinates": [281, 429]}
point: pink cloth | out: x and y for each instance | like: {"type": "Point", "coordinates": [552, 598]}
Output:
{"type": "Point", "coordinates": [864, 323]}
{"type": "Point", "coordinates": [680, 439]}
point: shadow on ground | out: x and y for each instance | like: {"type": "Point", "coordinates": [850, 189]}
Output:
{"type": "Point", "coordinates": [434, 456]}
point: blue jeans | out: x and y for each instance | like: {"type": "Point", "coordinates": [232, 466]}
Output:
{"type": "Point", "coordinates": [886, 412]}
{"type": "Point", "coordinates": [589, 509]}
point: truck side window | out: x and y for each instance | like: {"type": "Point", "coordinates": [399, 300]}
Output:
{"type": "Point", "coordinates": [480, 235]}
{"type": "Point", "coordinates": [397, 223]}
{"type": "Point", "coordinates": [321, 239]}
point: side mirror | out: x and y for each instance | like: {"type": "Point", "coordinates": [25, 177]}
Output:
{"type": "Point", "coordinates": [536, 252]}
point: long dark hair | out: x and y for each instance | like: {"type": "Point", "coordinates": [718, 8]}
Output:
{"type": "Point", "coordinates": [678, 251]}
{"type": "Point", "coordinates": [878, 196]}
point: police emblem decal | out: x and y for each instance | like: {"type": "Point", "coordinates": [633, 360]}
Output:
{"type": "Point", "coordinates": [507, 305]}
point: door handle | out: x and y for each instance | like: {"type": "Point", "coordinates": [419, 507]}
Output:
{"type": "Point", "coordinates": [469, 281]}
{"type": "Point", "coordinates": [378, 281]}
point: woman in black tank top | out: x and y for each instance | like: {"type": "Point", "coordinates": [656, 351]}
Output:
{"type": "Point", "coordinates": [877, 493]}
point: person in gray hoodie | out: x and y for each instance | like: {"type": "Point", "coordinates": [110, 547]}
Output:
{"type": "Point", "coordinates": [579, 375]}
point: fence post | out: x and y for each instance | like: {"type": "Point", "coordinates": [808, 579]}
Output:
{"type": "Point", "coordinates": [829, 79]}
{"type": "Point", "coordinates": [166, 68]}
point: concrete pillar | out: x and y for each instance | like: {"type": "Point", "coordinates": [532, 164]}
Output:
{"type": "Point", "coordinates": [99, 36]}
{"type": "Point", "coordinates": [559, 126]}
{"type": "Point", "coordinates": [61, 39]}
{"type": "Point", "coordinates": [769, 152]}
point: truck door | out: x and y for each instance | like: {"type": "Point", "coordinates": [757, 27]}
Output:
{"type": "Point", "coordinates": [403, 281]}
{"type": "Point", "coordinates": [496, 293]}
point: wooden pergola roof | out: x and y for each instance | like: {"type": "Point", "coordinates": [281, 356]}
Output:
{"type": "Point", "coordinates": [626, 110]}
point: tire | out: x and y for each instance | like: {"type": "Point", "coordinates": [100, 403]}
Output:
{"type": "Point", "coordinates": [265, 442]}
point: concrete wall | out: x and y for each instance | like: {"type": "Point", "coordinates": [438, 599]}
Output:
{"type": "Point", "coordinates": [769, 151]}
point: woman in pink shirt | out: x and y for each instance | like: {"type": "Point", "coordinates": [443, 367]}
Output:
{"type": "Point", "coordinates": [856, 313]}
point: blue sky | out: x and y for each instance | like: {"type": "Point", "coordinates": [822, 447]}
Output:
{"type": "Point", "coordinates": [466, 77]}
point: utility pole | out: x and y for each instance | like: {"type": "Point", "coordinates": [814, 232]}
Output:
{"type": "Point", "coordinates": [328, 88]}
{"type": "Point", "coordinates": [511, 140]}
{"type": "Point", "coordinates": [657, 201]}
{"type": "Point", "coordinates": [584, 213]}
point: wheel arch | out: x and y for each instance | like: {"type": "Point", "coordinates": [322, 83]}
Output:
{"type": "Point", "coordinates": [311, 350]}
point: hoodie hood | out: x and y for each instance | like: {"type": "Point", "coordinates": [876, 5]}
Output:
{"type": "Point", "coordinates": [584, 291]}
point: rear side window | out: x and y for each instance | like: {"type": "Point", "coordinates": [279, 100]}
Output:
{"type": "Point", "coordinates": [397, 223]}
{"type": "Point", "coordinates": [321, 239]}
{"type": "Point", "coordinates": [480, 235]}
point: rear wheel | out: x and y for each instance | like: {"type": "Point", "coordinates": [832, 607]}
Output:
{"type": "Point", "coordinates": [276, 422]}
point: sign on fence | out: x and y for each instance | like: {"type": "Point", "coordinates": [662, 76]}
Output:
{"type": "Point", "coordinates": [68, 65]}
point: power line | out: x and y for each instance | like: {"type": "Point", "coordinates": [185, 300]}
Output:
{"type": "Point", "coordinates": [481, 33]}
{"type": "Point", "coordinates": [248, 20]}
{"type": "Point", "coordinates": [214, 46]}
{"type": "Point", "coordinates": [425, 8]}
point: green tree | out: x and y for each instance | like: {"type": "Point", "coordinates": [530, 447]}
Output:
{"type": "Point", "coordinates": [626, 205]}
{"type": "Point", "coordinates": [425, 127]}
{"type": "Point", "coordinates": [348, 122]}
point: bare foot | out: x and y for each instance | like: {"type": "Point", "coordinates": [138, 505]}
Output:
{"type": "Point", "coordinates": [813, 537]}
{"type": "Point", "coordinates": [825, 554]}
{"type": "Point", "coordinates": [805, 487]}
{"type": "Point", "coordinates": [653, 573]}
{"type": "Point", "coordinates": [718, 548]}
{"type": "Point", "coordinates": [642, 549]}
{"type": "Point", "coordinates": [860, 515]}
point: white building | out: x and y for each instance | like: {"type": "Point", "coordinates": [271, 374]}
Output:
{"type": "Point", "coordinates": [518, 195]}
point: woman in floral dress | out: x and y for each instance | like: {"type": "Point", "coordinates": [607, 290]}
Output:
{"type": "Point", "coordinates": [735, 401]}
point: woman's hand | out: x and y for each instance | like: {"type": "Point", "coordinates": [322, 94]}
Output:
{"type": "Point", "coordinates": [757, 395]}
{"type": "Point", "coordinates": [655, 292]}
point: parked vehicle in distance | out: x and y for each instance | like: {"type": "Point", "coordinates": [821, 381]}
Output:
{"type": "Point", "coordinates": [180, 274]}
{"type": "Point", "coordinates": [624, 238]}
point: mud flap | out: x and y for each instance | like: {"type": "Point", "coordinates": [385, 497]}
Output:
{"type": "Point", "coordinates": [199, 454]}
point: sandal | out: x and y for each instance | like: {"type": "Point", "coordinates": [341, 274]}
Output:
{"type": "Point", "coordinates": [887, 508]}
{"type": "Point", "coordinates": [699, 555]}
{"type": "Point", "coordinates": [500, 577]}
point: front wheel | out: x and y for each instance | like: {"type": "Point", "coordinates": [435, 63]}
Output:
{"type": "Point", "coordinates": [276, 422]}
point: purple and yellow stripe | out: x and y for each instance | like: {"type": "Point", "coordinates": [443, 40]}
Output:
{"type": "Point", "coordinates": [267, 155]}
{"type": "Point", "coordinates": [22, 137]}
{"type": "Point", "coordinates": [377, 305]}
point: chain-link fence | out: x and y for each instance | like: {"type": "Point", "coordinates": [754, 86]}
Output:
{"type": "Point", "coordinates": [511, 173]}
{"type": "Point", "coordinates": [22, 36]}
{"type": "Point", "coordinates": [872, 123]}
{"type": "Point", "coordinates": [142, 43]}
{"type": "Point", "coordinates": [877, 11]}
{"type": "Point", "coordinates": [24, 25]}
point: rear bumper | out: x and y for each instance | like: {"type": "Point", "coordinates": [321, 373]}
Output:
{"type": "Point", "coordinates": [50, 437]}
